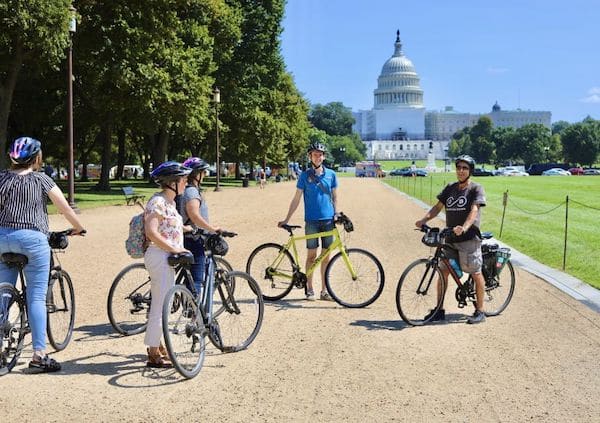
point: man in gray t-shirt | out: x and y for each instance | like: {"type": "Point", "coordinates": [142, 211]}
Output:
{"type": "Point", "coordinates": [462, 201]}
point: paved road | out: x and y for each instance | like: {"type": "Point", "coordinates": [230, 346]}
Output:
{"type": "Point", "coordinates": [317, 361]}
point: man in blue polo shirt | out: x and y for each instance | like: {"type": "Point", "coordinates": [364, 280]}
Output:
{"type": "Point", "coordinates": [317, 185]}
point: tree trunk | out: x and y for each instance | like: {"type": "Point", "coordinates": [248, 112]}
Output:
{"type": "Point", "coordinates": [159, 147]}
{"type": "Point", "coordinates": [104, 183]}
{"type": "Point", "coordinates": [7, 90]}
{"type": "Point", "coordinates": [120, 154]}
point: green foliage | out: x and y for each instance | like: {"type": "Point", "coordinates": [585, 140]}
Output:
{"type": "Point", "coordinates": [581, 142]}
{"type": "Point", "coordinates": [334, 118]}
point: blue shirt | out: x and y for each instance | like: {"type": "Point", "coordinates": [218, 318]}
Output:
{"type": "Point", "coordinates": [318, 204]}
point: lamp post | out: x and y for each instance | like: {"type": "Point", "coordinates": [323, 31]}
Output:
{"type": "Point", "coordinates": [446, 159]}
{"type": "Point", "coordinates": [217, 100]}
{"type": "Point", "coordinates": [71, 176]}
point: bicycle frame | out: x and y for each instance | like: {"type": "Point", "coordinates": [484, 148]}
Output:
{"type": "Point", "coordinates": [290, 245]}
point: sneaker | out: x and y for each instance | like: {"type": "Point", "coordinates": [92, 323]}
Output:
{"type": "Point", "coordinates": [437, 315]}
{"type": "Point", "coordinates": [477, 317]}
{"type": "Point", "coordinates": [325, 296]}
{"type": "Point", "coordinates": [310, 295]}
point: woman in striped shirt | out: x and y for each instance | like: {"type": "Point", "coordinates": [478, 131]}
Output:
{"type": "Point", "coordinates": [24, 229]}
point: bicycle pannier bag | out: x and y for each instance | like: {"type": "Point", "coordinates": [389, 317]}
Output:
{"type": "Point", "coordinates": [136, 241]}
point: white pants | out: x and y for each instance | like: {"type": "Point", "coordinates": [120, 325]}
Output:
{"type": "Point", "coordinates": [162, 278]}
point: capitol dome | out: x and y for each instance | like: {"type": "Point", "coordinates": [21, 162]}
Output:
{"type": "Point", "coordinates": [398, 84]}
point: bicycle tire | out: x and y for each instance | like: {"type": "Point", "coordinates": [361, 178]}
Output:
{"type": "Point", "coordinates": [129, 300]}
{"type": "Point", "coordinates": [413, 305]}
{"type": "Point", "coordinates": [273, 288]}
{"type": "Point", "coordinates": [60, 308]}
{"type": "Point", "coordinates": [240, 306]}
{"type": "Point", "coordinates": [13, 324]}
{"type": "Point", "coordinates": [499, 291]}
{"type": "Point", "coordinates": [184, 331]}
{"type": "Point", "coordinates": [359, 292]}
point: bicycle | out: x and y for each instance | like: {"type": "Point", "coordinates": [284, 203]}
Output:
{"type": "Point", "coordinates": [60, 304]}
{"type": "Point", "coordinates": [353, 277]}
{"type": "Point", "coordinates": [415, 298]}
{"type": "Point", "coordinates": [129, 296]}
{"type": "Point", "coordinates": [228, 310]}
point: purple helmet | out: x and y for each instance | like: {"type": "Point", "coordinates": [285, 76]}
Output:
{"type": "Point", "coordinates": [24, 149]}
{"type": "Point", "coordinates": [196, 163]}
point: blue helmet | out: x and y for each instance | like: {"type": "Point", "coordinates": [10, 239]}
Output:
{"type": "Point", "coordinates": [169, 170]}
{"type": "Point", "coordinates": [24, 150]}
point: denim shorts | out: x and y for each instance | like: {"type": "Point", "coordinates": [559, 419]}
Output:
{"type": "Point", "coordinates": [469, 255]}
{"type": "Point", "coordinates": [316, 226]}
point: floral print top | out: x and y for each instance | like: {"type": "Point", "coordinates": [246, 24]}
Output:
{"type": "Point", "coordinates": [170, 224]}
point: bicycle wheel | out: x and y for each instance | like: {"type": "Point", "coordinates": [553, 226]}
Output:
{"type": "Point", "coordinates": [184, 332]}
{"type": "Point", "coordinates": [129, 300]}
{"type": "Point", "coordinates": [60, 307]}
{"type": "Point", "coordinates": [272, 272]}
{"type": "Point", "coordinates": [499, 291]}
{"type": "Point", "coordinates": [12, 327]}
{"type": "Point", "coordinates": [239, 313]}
{"type": "Point", "coordinates": [417, 292]}
{"type": "Point", "coordinates": [356, 292]}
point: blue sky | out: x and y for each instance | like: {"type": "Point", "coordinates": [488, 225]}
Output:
{"type": "Point", "coordinates": [528, 54]}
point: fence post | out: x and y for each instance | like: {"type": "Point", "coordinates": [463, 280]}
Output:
{"type": "Point", "coordinates": [504, 201]}
{"type": "Point", "coordinates": [566, 230]}
{"type": "Point", "coordinates": [430, 189]}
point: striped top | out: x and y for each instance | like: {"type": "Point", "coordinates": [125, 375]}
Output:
{"type": "Point", "coordinates": [23, 200]}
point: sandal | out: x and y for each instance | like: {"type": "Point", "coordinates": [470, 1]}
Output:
{"type": "Point", "coordinates": [45, 364]}
{"type": "Point", "coordinates": [157, 360]}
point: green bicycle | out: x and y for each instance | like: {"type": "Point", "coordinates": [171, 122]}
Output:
{"type": "Point", "coordinates": [354, 277]}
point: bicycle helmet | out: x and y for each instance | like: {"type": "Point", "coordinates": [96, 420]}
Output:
{"type": "Point", "coordinates": [169, 170]}
{"type": "Point", "coordinates": [24, 150]}
{"type": "Point", "coordinates": [468, 160]}
{"type": "Point", "coordinates": [217, 244]}
{"type": "Point", "coordinates": [316, 146]}
{"type": "Point", "coordinates": [196, 163]}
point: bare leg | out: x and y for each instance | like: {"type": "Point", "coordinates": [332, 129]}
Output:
{"type": "Point", "coordinates": [479, 290]}
{"type": "Point", "coordinates": [324, 264]}
{"type": "Point", "coordinates": [311, 255]}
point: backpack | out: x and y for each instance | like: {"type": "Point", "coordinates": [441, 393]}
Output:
{"type": "Point", "coordinates": [136, 241]}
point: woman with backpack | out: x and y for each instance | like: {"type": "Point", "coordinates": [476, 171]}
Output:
{"type": "Point", "coordinates": [194, 211]}
{"type": "Point", "coordinates": [164, 232]}
{"type": "Point", "coordinates": [24, 229]}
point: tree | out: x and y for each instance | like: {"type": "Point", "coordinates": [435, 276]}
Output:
{"type": "Point", "coordinates": [560, 126]}
{"type": "Point", "coordinates": [334, 118]}
{"type": "Point", "coordinates": [581, 142]}
{"type": "Point", "coordinates": [34, 33]}
{"type": "Point", "coordinates": [529, 143]}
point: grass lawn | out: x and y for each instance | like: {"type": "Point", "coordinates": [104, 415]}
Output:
{"type": "Point", "coordinates": [534, 221]}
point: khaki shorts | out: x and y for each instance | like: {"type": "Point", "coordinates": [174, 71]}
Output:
{"type": "Point", "coordinates": [468, 254]}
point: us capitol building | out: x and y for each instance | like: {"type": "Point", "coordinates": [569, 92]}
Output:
{"type": "Point", "coordinates": [399, 127]}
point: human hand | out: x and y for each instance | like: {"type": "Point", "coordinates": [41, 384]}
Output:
{"type": "Point", "coordinates": [280, 224]}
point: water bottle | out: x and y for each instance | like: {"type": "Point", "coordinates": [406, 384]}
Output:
{"type": "Point", "coordinates": [456, 267]}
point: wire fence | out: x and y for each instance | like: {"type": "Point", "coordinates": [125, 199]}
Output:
{"type": "Point", "coordinates": [418, 186]}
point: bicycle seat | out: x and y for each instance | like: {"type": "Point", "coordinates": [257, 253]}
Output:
{"type": "Point", "coordinates": [14, 259]}
{"type": "Point", "coordinates": [181, 258]}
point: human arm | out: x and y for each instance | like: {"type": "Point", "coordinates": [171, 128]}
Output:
{"type": "Point", "coordinates": [334, 200]}
{"type": "Point", "coordinates": [433, 212]}
{"type": "Point", "coordinates": [59, 200]}
{"type": "Point", "coordinates": [192, 208]}
{"type": "Point", "coordinates": [293, 206]}
{"type": "Point", "coordinates": [471, 218]}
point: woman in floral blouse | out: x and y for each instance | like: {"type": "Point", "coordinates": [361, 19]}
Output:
{"type": "Point", "coordinates": [164, 231]}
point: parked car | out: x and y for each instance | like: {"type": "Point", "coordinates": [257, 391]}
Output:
{"type": "Point", "coordinates": [556, 172]}
{"type": "Point", "coordinates": [576, 171]}
{"type": "Point", "coordinates": [538, 168]}
{"type": "Point", "coordinates": [591, 172]}
{"type": "Point", "coordinates": [514, 172]}
{"type": "Point", "coordinates": [398, 172]}
{"type": "Point", "coordinates": [482, 172]}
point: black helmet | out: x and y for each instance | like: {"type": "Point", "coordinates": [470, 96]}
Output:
{"type": "Point", "coordinates": [196, 163]}
{"type": "Point", "coordinates": [468, 160]}
{"type": "Point", "coordinates": [316, 146]}
{"type": "Point", "coordinates": [217, 245]}
{"type": "Point", "coordinates": [24, 149]}
{"type": "Point", "coordinates": [169, 170]}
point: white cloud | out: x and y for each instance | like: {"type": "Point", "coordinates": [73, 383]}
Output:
{"type": "Point", "coordinates": [496, 70]}
{"type": "Point", "coordinates": [593, 96]}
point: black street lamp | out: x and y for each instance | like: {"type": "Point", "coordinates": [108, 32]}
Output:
{"type": "Point", "coordinates": [71, 176]}
{"type": "Point", "coordinates": [217, 100]}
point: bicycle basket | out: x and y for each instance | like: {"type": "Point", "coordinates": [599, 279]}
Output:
{"type": "Point", "coordinates": [432, 238]}
{"type": "Point", "coordinates": [217, 245]}
{"type": "Point", "coordinates": [58, 241]}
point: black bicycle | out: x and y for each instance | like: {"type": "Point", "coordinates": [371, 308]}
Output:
{"type": "Point", "coordinates": [129, 296]}
{"type": "Point", "coordinates": [60, 305]}
{"type": "Point", "coordinates": [419, 292]}
{"type": "Point", "coordinates": [229, 310]}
